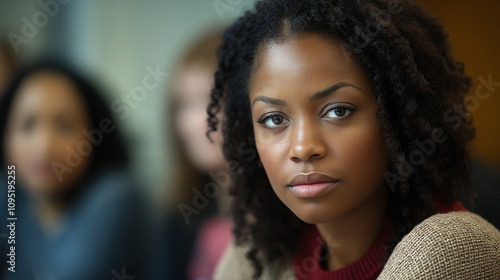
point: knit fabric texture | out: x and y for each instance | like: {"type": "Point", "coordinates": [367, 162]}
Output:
{"type": "Point", "coordinates": [455, 245]}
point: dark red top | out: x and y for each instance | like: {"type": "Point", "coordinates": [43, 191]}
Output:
{"type": "Point", "coordinates": [307, 263]}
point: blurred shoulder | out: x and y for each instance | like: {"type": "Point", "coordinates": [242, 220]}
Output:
{"type": "Point", "coordinates": [113, 184]}
{"type": "Point", "coordinates": [235, 265]}
{"type": "Point", "coordinates": [113, 193]}
{"type": "Point", "coordinates": [455, 245]}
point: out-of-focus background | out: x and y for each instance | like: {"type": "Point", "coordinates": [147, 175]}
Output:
{"type": "Point", "coordinates": [132, 51]}
{"type": "Point", "coordinates": [474, 29]}
{"type": "Point", "coordinates": [120, 44]}
{"type": "Point", "coordinates": [114, 42]}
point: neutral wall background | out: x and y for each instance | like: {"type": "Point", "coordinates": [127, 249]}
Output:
{"type": "Point", "coordinates": [474, 28]}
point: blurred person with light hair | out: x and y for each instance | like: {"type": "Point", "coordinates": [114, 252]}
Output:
{"type": "Point", "coordinates": [197, 229]}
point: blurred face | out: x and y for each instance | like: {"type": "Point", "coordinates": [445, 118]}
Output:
{"type": "Point", "coordinates": [316, 129]}
{"type": "Point", "coordinates": [192, 94]}
{"type": "Point", "coordinates": [44, 126]}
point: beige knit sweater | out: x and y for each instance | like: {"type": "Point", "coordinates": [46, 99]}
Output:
{"type": "Point", "coordinates": [455, 245]}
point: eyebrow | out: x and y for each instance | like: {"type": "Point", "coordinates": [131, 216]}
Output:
{"type": "Point", "coordinates": [316, 96]}
{"type": "Point", "coordinates": [269, 100]}
{"type": "Point", "coordinates": [330, 90]}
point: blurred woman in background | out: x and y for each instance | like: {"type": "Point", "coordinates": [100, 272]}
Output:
{"type": "Point", "coordinates": [79, 215]}
{"type": "Point", "coordinates": [196, 232]}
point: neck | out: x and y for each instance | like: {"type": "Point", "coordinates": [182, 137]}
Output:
{"type": "Point", "coordinates": [351, 236]}
{"type": "Point", "coordinates": [50, 210]}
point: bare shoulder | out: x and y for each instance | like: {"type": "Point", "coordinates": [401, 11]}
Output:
{"type": "Point", "coordinates": [455, 245]}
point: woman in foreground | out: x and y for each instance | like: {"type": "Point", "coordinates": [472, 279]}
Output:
{"type": "Point", "coordinates": [356, 110]}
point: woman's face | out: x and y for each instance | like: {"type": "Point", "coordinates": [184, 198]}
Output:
{"type": "Point", "coordinates": [44, 136]}
{"type": "Point", "coordinates": [192, 94]}
{"type": "Point", "coordinates": [316, 128]}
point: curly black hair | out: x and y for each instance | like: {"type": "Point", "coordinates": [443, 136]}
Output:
{"type": "Point", "coordinates": [420, 91]}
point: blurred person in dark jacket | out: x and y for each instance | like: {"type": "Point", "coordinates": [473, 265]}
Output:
{"type": "Point", "coordinates": [79, 214]}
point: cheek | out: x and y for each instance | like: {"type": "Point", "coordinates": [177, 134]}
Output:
{"type": "Point", "coordinates": [273, 153]}
{"type": "Point", "coordinates": [73, 155]}
{"type": "Point", "coordinates": [74, 147]}
{"type": "Point", "coordinates": [362, 155]}
{"type": "Point", "coordinates": [191, 123]}
{"type": "Point", "coordinates": [17, 151]}
{"type": "Point", "coordinates": [184, 123]}
{"type": "Point", "coordinates": [69, 156]}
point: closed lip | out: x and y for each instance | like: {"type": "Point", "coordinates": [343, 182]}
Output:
{"type": "Point", "coordinates": [41, 166]}
{"type": "Point", "coordinates": [310, 178]}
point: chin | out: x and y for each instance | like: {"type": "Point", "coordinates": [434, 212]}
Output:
{"type": "Point", "coordinates": [316, 214]}
{"type": "Point", "coordinates": [44, 187]}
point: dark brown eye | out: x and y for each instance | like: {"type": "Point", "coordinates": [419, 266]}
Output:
{"type": "Point", "coordinates": [340, 112]}
{"type": "Point", "coordinates": [277, 120]}
{"type": "Point", "coordinates": [273, 120]}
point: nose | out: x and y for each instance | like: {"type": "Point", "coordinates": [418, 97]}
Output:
{"type": "Point", "coordinates": [306, 143]}
{"type": "Point", "coordinates": [43, 142]}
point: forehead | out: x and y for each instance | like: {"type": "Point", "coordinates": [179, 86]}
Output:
{"type": "Point", "coordinates": [48, 90]}
{"type": "Point", "coordinates": [193, 80]}
{"type": "Point", "coordinates": [306, 61]}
